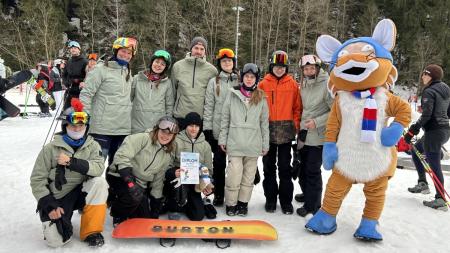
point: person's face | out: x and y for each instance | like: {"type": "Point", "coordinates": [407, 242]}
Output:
{"type": "Point", "coordinates": [158, 66]}
{"type": "Point", "coordinates": [426, 79]}
{"type": "Point", "coordinates": [226, 64]}
{"type": "Point", "coordinates": [62, 65]}
{"type": "Point", "coordinates": [249, 79]}
{"type": "Point", "coordinates": [92, 63]}
{"type": "Point", "coordinates": [279, 71]}
{"type": "Point", "coordinates": [124, 54]}
{"type": "Point", "coordinates": [76, 127]}
{"type": "Point", "coordinates": [198, 51]}
{"type": "Point", "coordinates": [165, 136]}
{"type": "Point", "coordinates": [75, 51]}
{"type": "Point", "coordinates": [193, 130]}
{"type": "Point", "coordinates": [309, 71]}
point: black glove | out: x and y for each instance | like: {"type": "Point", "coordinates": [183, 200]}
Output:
{"type": "Point", "coordinates": [79, 165]}
{"type": "Point", "coordinates": [136, 192]}
{"type": "Point", "coordinates": [296, 165]}
{"type": "Point", "coordinates": [60, 177]}
{"type": "Point", "coordinates": [257, 177]}
{"type": "Point", "coordinates": [414, 129]}
{"type": "Point", "coordinates": [208, 135]}
{"type": "Point", "coordinates": [155, 207]}
{"type": "Point", "coordinates": [64, 227]}
{"type": "Point", "coordinates": [47, 204]}
{"type": "Point", "coordinates": [407, 137]}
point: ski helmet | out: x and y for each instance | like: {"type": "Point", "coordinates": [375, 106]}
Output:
{"type": "Point", "coordinates": [163, 54]}
{"type": "Point", "coordinates": [278, 58]}
{"type": "Point", "coordinates": [225, 53]}
{"type": "Point", "coordinates": [74, 115]}
{"type": "Point", "coordinates": [92, 56]}
{"type": "Point", "coordinates": [125, 42]}
{"type": "Point", "coordinates": [73, 43]}
{"type": "Point", "coordinates": [250, 68]}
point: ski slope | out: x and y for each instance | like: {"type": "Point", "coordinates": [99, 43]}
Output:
{"type": "Point", "coordinates": [407, 226]}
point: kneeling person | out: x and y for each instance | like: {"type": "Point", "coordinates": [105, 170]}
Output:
{"type": "Point", "coordinates": [66, 177]}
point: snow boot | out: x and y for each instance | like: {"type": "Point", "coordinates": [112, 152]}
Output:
{"type": "Point", "coordinates": [287, 209]}
{"type": "Point", "coordinates": [322, 223]}
{"type": "Point", "coordinates": [230, 210]}
{"type": "Point", "coordinates": [210, 210]}
{"type": "Point", "coordinates": [302, 211]}
{"type": "Point", "coordinates": [300, 197]}
{"type": "Point", "coordinates": [438, 204]}
{"type": "Point", "coordinates": [242, 208]}
{"type": "Point", "coordinates": [270, 207]}
{"type": "Point", "coordinates": [421, 187]}
{"type": "Point", "coordinates": [95, 240]}
{"type": "Point", "coordinates": [367, 230]}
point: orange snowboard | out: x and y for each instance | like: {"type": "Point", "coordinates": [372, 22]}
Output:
{"type": "Point", "coordinates": [155, 228]}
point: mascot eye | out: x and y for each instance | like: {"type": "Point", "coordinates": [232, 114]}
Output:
{"type": "Point", "coordinates": [367, 49]}
{"type": "Point", "coordinates": [342, 53]}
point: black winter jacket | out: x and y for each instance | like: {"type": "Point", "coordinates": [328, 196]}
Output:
{"type": "Point", "coordinates": [74, 73]}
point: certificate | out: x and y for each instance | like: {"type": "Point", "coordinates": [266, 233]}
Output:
{"type": "Point", "coordinates": [189, 164]}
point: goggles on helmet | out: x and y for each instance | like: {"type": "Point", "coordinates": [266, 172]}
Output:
{"type": "Point", "coordinates": [78, 118]}
{"type": "Point", "coordinates": [279, 58]}
{"type": "Point", "coordinates": [73, 44]}
{"type": "Point", "coordinates": [309, 60]}
{"type": "Point", "coordinates": [225, 53]}
{"type": "Point", "coordinates": [250, 67]}
{"type": "Point", "coordinates": [167, 123]}
{"type": "Point", "coordinates": [122, 42]}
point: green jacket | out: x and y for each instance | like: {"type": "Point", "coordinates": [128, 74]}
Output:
{"type": "Point", "coordinates": [148, 161]}
{"type": "Point", "coordinates": [150, 102]}
{"type": "Point", "coordinates": [244, 129]}
{"type": "Point", "coordinates": [43, 174]}
{"type": "Point", "coordinates": [106, 98]}
{"type": "Point", "coordinates": [317, 103]}
{"type": "Point", "coordinates": [190, 78]}
{"type": "Point", "coordinates": [200, 145]}
{"type": "Point", "coordinates": [213, 103]}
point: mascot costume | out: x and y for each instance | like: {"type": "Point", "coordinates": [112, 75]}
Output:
{"type": "Point", "coordinates": [359, 145]}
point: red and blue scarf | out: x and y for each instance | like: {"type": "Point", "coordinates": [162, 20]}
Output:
{"type": "Point", "coordinates": [369, 121]}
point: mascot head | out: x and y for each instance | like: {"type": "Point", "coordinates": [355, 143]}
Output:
{"type": "Point", "coordinates": [360, 63]}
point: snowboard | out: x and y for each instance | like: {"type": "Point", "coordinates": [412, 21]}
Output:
{"type": "Point", "coordinates": [44, 95]}
{"type": "Point", "coordinates": [8, 109]}
{"type": "Point", "coordinates": [215, 230]}
{"type": "Point", "coordinates": [14, 80]}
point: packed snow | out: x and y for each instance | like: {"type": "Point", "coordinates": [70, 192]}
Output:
{"type": "Point", "coordinates": [406, 225]}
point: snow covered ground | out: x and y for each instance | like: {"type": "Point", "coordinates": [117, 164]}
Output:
{"type": "Point", "coordinates": [407, 226]}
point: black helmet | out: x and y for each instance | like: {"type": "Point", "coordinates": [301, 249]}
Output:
{"type": "Point", "coordinates": [278, 58]}
{"type": "Point", "coordinates": [253, 68]}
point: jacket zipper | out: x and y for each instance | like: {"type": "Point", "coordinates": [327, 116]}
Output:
{"type": "Point", "coordinates": [153, 158]}
{"type": "Point", "coordinates": [193, 74]}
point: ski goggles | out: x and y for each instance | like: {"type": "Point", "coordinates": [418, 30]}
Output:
{"type": "Point", "coordinates": [225, 53]}
{"type": "Point", "coordinates": [250, 67]}
{"type": "Point", "coordinates": [279, 59]}
{"type": "Point", "coordinates": [309, 60]}
{"type": "Point", "coordinates": [74, 44]}
{"type": "Point", "coordinates": [162, 54]}
{"type": "Point", "coordinates": [426, 72]}
{"type": "Point", "coordinates": [169, 124]}
{"type": "Point", "coordinates": [75, 118]}
{"type": "Point", "coordinates": [122, 42]}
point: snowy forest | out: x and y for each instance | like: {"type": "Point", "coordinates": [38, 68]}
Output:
{"type": "Point", "coordinates": [39, 30]}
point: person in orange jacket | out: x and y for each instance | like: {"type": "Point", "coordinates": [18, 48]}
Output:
{"type": "Point", "coordinates": [284, 120]}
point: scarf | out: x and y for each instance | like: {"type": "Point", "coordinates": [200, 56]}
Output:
{"type": "Point", "coordinates": [120, 62]}
{"type": "Point", "coordinates": [153, 77]}
{"type": "Point", "coordinates": [73, 143]}
{"type": "Point", "coordinates": [245, 92]}
{"type": "Point", "coordinates": [369, 121]}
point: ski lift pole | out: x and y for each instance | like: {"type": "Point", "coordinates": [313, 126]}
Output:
{"type": "Point", "coordinates": [437, 183]}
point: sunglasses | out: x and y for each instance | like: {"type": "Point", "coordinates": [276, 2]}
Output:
{"type": "Point", "coordinates": [78, 118]}
{"type": "Point", "coordinates": [169, 126]}
{"type": "Point", "coordinates": [225, 52]}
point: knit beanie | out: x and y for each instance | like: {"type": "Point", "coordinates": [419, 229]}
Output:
{"type": "Point", "coordinates": [193, 118]}
{"type": "Point", "coordinates": [434, 71]}
{"type": "Point", "coordinates": [199, 40]}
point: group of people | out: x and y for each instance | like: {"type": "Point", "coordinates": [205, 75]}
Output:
{"type": "Point", "coordinates": [141, 124]}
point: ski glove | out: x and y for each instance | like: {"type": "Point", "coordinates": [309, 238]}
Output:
{"type": "Point", "coordinates": [47, 204]}
{"type": "Point", "coordinates": [79, 165]}
{"type": "Point", "coordinates": [295, 170]}
{"type": "Point", "coordinates": [136, 192]}
{"type": "Point", "coordinates": [412, 131]}
{"type": "Point", "coordinates": [329, 155]}
{"type": "Point", "coordinates": [60, 177]}
{"type": "Point", "coordinates": [391, 135]}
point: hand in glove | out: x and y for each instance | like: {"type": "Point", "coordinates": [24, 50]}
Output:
{"type": "Point", "coordinates": [412, 131]}
{"type": "Point", "coordinates": [329, 155]}
{"type": "Point", "coordinates": [136, 192]}
{"type": "Point", "coordinates": [391, 134]}
{"type": "Point", "coordinates": [60, 177]}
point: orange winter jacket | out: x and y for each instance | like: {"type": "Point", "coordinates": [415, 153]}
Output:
{"type": "Point", "coordinates": [285, 107]}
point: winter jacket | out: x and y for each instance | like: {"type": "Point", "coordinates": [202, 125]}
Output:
{"type": "Point", "coordinates": [244, 128]}
{"type": "Point", "coordinates": [284, 107]}
{"type": "Point", "coordinates": [150, 102]}
{"type": "Point", "coordinates": [43, 174]}
{"type": "Point", "coordinates": [75, 73]}
{"type": "Point", "coordinates": [148, 161]}
{"type": "Point", "coordinates": [435, 107]}
{"type": "Point", "coordinates": [107, 98]}
{"type": "Point", "coordinates": [190, 78]}
{"type": "Point", "coordinates": [213, 102]}
{"type": "Point", "coordinates": [55, 76]}
{"type": "Point", "coordinates": [199, 145]}
{"type": "Point", "coordinates": [316, 101]}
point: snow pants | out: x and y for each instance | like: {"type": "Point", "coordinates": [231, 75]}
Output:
{"type": "Point", "coordinates": [310, 176]}
{"type": "Point", "coordinates": [239, 180]}
{"type": "Point", "coordinates": [91, 197]}
{"type": "Point", "coordinates": [338, 186]}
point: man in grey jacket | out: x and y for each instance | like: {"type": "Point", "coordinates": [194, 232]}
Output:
{"type": "Point", "coordinates": [190, 78]}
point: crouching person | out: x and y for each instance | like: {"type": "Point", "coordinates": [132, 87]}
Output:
{"type": "Point", "coordinates": [187, 198]}
{"type": "Point", "coordinates": [66, 177]}
{"type": "Point", "coordinates": [136, 177]}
